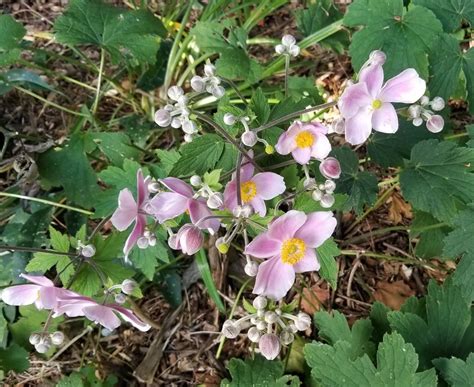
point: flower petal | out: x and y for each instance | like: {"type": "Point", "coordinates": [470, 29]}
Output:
{"type": "Point", "coordinates": [353, 99]}
{"type": "Point", "coordinates": [385, 119]}
{"type": "Point", "coordinates": [136, 233]}
{"type": "Point", "coordinates": [126, 212]}
{"type": "Point", "coordinates": [359, 127]}
{"type": "Point", "coordinates": [269, 185]}
{"type": "Point", "coordinates": [230, 195]}
{"type": "Point", "coordinates": [259, 206]}
{"type": "Point", "coordinates": [318, 227]}
{"type": "Point", "coordinates": [321, 147]}
{"type": "Point", "coordinates": [178, 186]}
{"type": "Point", "coordinates": [48, 297]}
{"type": "Point", "coordinates": [286, 142]}
{"type": "Point", "coordinates": [103, 315]}
{"type": "Point", "coordinates": [406, 87]}
{"type": "Point", "coordinates": [142, 188]}
{"type": "Point", "coordinates": [286, 225]}
{"type": "Point", "coordinates": [274, 278]}
{"type": "Point", "coordinates": [246, 172]}
{"type": "Point", "coordinates": [308, 263]}
{"type": "Point", "coordinates": [37, 279]}
{"type": "Point", "coordinates": [373, 77]}
{"type": "Point", "coordinates": [198, 210]}
{"type": "Point", "coordinates": [168, 205]}
{"type": "Point", "coordinates": [302, 155]}
{"type": "Point", "coordinates": [315, 127]}
{"type": "Point", "coordinates": [130, 317]}
{"type": "Point", "coordinates": [21, 294]}
{"type": "Point", "coordinates": [263, 246]}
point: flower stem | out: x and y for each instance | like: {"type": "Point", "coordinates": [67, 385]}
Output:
{"type": "Point", "coordinates": [54, 204]}
{"type": "Point", "coordinates": [34, 250]}
{"type": "Point", "coordinates": [287, 70]}
{"type": "Point", "coordinates": [99, 81]}
{"type": "Point", "coordinates": [237, 179]}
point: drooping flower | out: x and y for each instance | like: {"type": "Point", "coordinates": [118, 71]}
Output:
{"type": "Point", "coordinates": [288, 246]}
{"type": "Point", "coordinates": [367, 105]}
{"type": "Point", "coordinates": [41, 292]}
{"type": "Point", "coordinates": [188, 239]}
{"type": "Point", "coordinates": [254, 189]}
{"type": "Point", "coordinates": [269, 345]}
{"type": "Point", "coordinates": [304, 140]}
{"type": "Point", "coordinates": [180, 199]}
{"type": "Point", "coordinates": [103, 314]}
{"type": "Point", "coordinates": [130, 211]}
{"type": "Point", "coordinates": [330, 168]}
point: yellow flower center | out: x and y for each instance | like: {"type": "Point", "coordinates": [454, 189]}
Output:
{"type": "Point", "coordinates": [304, 139]}
{"type": "Point", "coordinates": [377, 104]}
{"type": "Point", "coordinates": [248, 190]}
{"type": "Point", "coordinates": [292, 250]}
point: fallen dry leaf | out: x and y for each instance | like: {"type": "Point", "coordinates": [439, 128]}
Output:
{"type": "Point", "coordinates": [313, 298]}
{"type": "Point", "coordinates": [398, 209]}
{"type": "Point", "coordinates": [393, 294]}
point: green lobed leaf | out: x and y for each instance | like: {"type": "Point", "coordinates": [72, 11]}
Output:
{"type": "Point", "coordinates": [431, 237]}
{"type": "Point", "coordinates": [11, 34]}
{"type": "Point", "coordinates": [14, 358]}
{"type": "Point", "coordinates": [147, 260]}
{"type": "Point", "coordinates": [405, 36]}
{"type": "Point", "coordinates": [436, 179]}
{"type": "Point", "coordinates": [260, 106]}
{"type": "Point", "coordinates": [122, 33]}
{"type": "Point", "coordinates": [326, 254]}
{"type": "Point", "coordinates": [450, 12]}
{"type": "Point", "coordinates": [116, 146]}
{"type": "Point", "coordinates": [455, 371]}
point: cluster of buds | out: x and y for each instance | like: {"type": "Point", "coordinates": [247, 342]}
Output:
{"type": "Point", "coordinates": [147, 239]}
{"type": "Point", "coordinates": [322, 193]}
{"type": "Point", "coordinates": [215, 200]}
{"type": "Point", "coordinates": [288, 46]}
{"type": "Point", "coordinates": [418, 113]}
{"type": "Point", "coordinates": [87, 251]}
{"type": "Point", "coordinates": [177, 114]}
{"type": "Point", "coordinates": [43, 341]}
{"type": "Point", "coordinates": [249, 137]}
{"type": "Point", "coordinates": [269, 326]}
{"type": "Point", "coordinates": [127, 287]}
{"type": "Point", "coordinates": [210, 83]}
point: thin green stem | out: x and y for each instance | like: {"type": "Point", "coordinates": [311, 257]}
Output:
{"type": "Point", "coordinates": [287, 71]}
{"type": "Point", "coordinates": [44, 201]}
{"type": "Point", "coordinates": [34, 250]}
{"type": "Point", "coordinates": [99, 81]}
{"type": "Point", "coordinates": [386, 257]}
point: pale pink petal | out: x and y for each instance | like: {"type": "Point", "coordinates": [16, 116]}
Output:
{"type": "Point", "coordinates": [73, 306]}
{"type": "Point", "coordinates": [246, 172]}
{"type": "Point", "coordinates": [258, 205]}
{"type": "Point", "coordinates": [37, 279]}
{"type": "Point", "coordinates": [385, 119]}
{"type": "Point", "coordinates": [302, 155]}
{"type": "Point", "coordinates": [373, 77]}
{"type": "Point", "coordinates": [136, 233]}
{"type": "Point", "coordinates": [330, 168]}
{"type": "Point", "coordinates": [21, 294]}
{"type": "Point", "coordinates": [321, 147]}
{"type": "Point", "coordinates": [286, 225]}
{"type": "Point", "coordinates": [102, 315]}
{"type": "Point", "coordinates": [359, 127]}
{"type": "Point", "coordinates": [353, 99]}
{"type": "Point", "coordinates": [130, 317]}
{"type": "Point", "coordinates": [190, 239]}
{"type": "Point", "coordinates": [406, 87]}
{"type": "Point", "coordinates": [168, 205]}
{"type": "Point", "coordinates": [308, 263]}
{"type": "Point", "coordinates": [230, 195]}
{"type": "Point", "coordinates": [142, 188]}
{"type": "Point", "coordinates": [318, 227]}
{"type": "Point", "coordinates": [274, 279]}
{"type": "Point", "coordinates": [263, 246]}
{"type": "Point", "coordinates": [48, 297]}
{"type": "Point", "coordinates": [198, 210]}
{"type": "Point", "coordinates": [178, 186]}
{"type": "Point", "coordinates": [269, 185]}
{"type": "Point", "coordinates": [315, 127]}
{"type": "Point", "coordinates": [286, 143]}
{"type": "Point", "coordinates": [126, 212]}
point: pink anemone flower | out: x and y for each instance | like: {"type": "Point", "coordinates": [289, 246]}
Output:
{"type": "Point", "coordinates": [188, 239]}
{"type": "Point", "coordinates": [254, 189]}
{"type": "Point", "coordinates": [103, 314]}
{"type": "Point", "coordinates": [288, 246]}
{"type": "Point", "coordinates": [180, 199]}
{"type": "Point", "coordinates": [130, 211]}
{"type": "Point", "coordinates": [304, 140]}
{"type": "Point", "coordinates": [367, 105]}
{"type": "Point", "coordinates": [41, 292]}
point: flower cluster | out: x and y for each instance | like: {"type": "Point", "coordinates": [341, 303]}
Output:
{"type": "Point", "coordinates": [418, 113]}
{"type": "Point", "coordinates": [288, 46]}
{"type": "Point", "coordinates": [210, 82]}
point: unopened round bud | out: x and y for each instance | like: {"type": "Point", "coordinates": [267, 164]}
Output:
{"type": "Point", "coordinates": [34, 338]}
{"type": "Point", "coordinates": [230, 329]}
{"type": "Point", "coordinates": [286, 337]}
{"type": "Point", "coordinates": [288, 40]}
{"type": "Point", "coordinates": [261, 325]}
{"type": "Point", "coordinates": [198, 84]}
{"type": "Point", "coordinates": [88, 251]}
{"type": "Point", "coordinates": [195, 181]}
{"type": "Point", "coordinates": [142, 242]}
{"type": "Point", "coordinates": [209, 70]}
{"type": "Point", "coordinates": [280, 49]}
{"type": "Point", "coordinates": [189, 127]}
{"type": "Point", "coordinates": [57, 338]}
{"type": "Point", "coordinates": [243, 211]}
{"type": "Point", "coordinates": [249, 138]}
{"type": "Point", "coordinates": [435, 124]}
{"type": "Point", "coordinates": [269, 149]}
{"type": "Point", "coordinates": [222, 246]}
{"type": "Point", "coordinates": [329, 186]}
{"type": "Point", "coordinates": [106, 332]}
{"type": "Point", "coordinates": [309, 184]}
{"type": "Point", "coordinates": [251, 268]}
{"type": "Point", "coordinates": [317, 195]}
{"type": "Point", "coordinates": [338, 125]}
{"type": "Point", "coordinates": [330, 168]}
{"type": "Point", "coordinates": [292, 328]}
{"type": "Point", "coordinates": [414, 111]}
{"type": "Point", "coordinates": [303, 321]}
{"type": "Point", "coordinates": [175, 92]}
{"type": "Point", "coordinates": [294, 50]}
{"type": "Point", "coordinates": [152, 241]}
{"type": "Point", "coordinates": [188, 138]}
{"type": "Point", "coordinates": [260, 302]}
{"type": "Point", "coordinates": [269, 345]}
{"type": "Point", "coordinates": [216, 200]}
{"type": "Point", "coordinates": [327, 200]}
{"type": "Point", "coordinates": [154, 187]}
{"type": "Point", "coordinates": [261, 313]}
{"type": "Point", "coordinates": [128, 286]}
{"type": "Point", "coordinates": [229, 119]}
{"type": "Point", "coordinates": [120, 298]}
{"type": "Point", "coordinates": [437, 104]}
{"type": "Point", "coordinates": [424, 100]}
{"type": "Point", "coordinates": [163, 118]}
{"type": "Point", "coordinates": [253, 334]}
{"type": "Point", "coordinates": [44, 345]}
{"type": "Point", "coordinates": [217, 91]}
{"type": "Point", "coordinates": [270, 317]}
{"type": "Point", "coordinates": [418, 121]}
{"type": "Point", "coordinates": [176, 123]}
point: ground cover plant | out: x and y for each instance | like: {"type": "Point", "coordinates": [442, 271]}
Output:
{"type": "Point", "coordinates": [237, 193]}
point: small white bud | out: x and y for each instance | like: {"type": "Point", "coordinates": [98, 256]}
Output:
{"type": "Point", "coordinates": [424, 100]}
{"type": "Point", "coordinates": [188, 126]}
{"type": "Point", "coordinates": [154, 187]}
{"type": "Point", "coordinates": [260, 302]}
{"type": "Point", "coordinates": [329, 186]}
{"type": "Point", "coordinates": [303, 321]}
{"type": "Point", "coordinates": [261, 313]}
{"type": "Point", "coordinates": [249, 138]}
{"type": "Point", "coordinates": [271, 317]}
{"type": "Point", "coordinates": [88, 251]}
{"type": "Point", "coordinates": [142, 242]}
{"type": "Point", "coordinates": [209, 70]}
{"type": "Point", "coordinates": [106, 332]}
{"type": "Point", "coordinates": [253, 320]}
{"type": "Point", "coordinates": [280, 49]}
{"type": "Point", "coordinates": [175, 92]}
{"type": "Point", "coordinates": [195, 181]}
{"type": "Point", "coordinates": [418, 121]}
{"type": "Point", "coordinates": [230, 329]}
{"type": "Point", "coordinates": [244, 211]}
{"type": "Point", "coordinates": [198, 84]}
{"type": "Point", "coordinates": [152, 241]}
{"type": "Point", "coordinates": [253, 334]}
{"type": "Point", "coordinates": [327, 200]}
{"type": "Point", "coordinates": [435, 124]}
{"type": "Point", "coordinates": [120, 298]}
{"type": "Point", "coordinates": [261, 325]}
{"type": "Point", "coordinates": [309, 184]}
{"type": "Point", "coordinates": [176, 123]}
{"type": "Point", "coordinates": [129, 286]}
{"type": "Point", "coordinates": [317, 195]}
{"type": "Point", "coordinates": [229, 119]}
{"type": "Point", "coordinates": [294, 50]}
{"type": "Point", "coordinates": [217, 91]}
{"type": "Point", "coordinates": [437, 104]}
{"type": "Point", "coordinates": [338, 125]}
{"type": "Point", "coordinates": [414, 111]}
{"type": "Point", "coordinates": [44, 345]}
{"type": "Point", "coordinates": [292, 328]}
{"type": "Point", "coordinates": [57, 338]}
{"type": "Point", "coordinates": [288, 40]}
{"type": "Point", "coordinates": [216, 200]}
{"type": "Point", "coordinates": [286, 337]}
{"type": "Point", "coordinates": [35, 338]}
{"type": "Point", "coordinates": [188, 138]}
{"type": "Point", "coordinates": [163, 118]}
{"type": "Point", "coordinates": [251, 268]}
